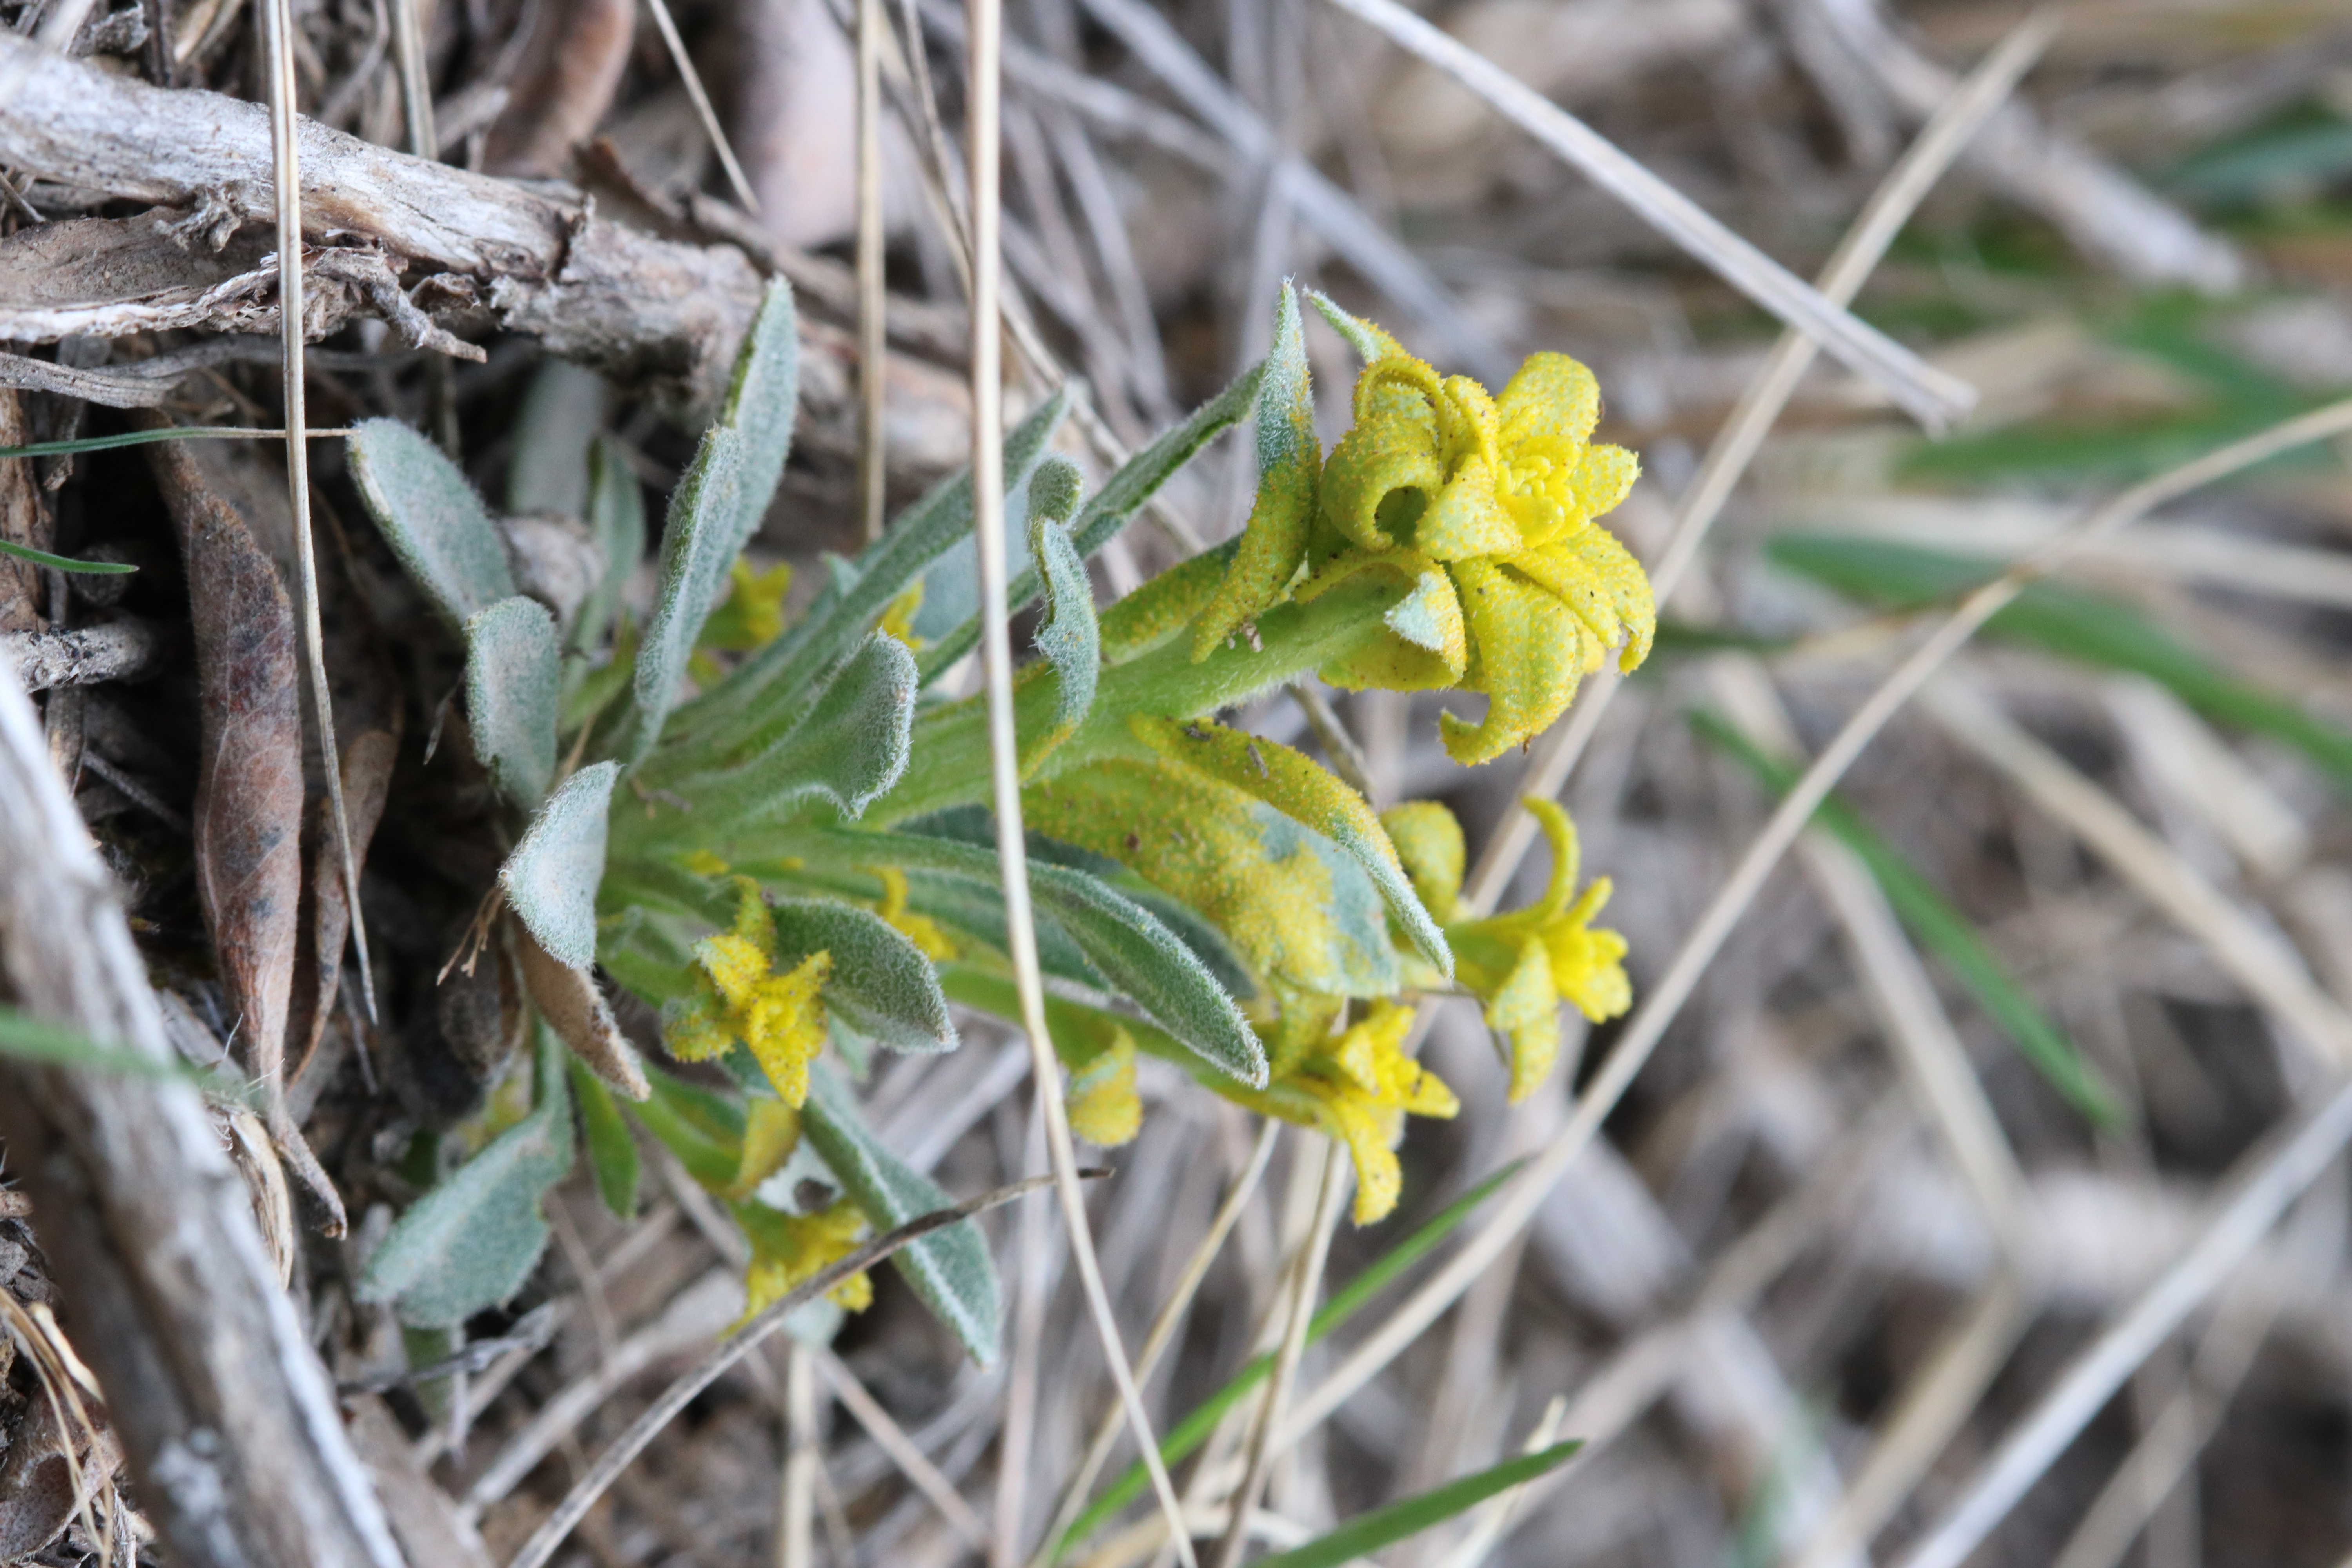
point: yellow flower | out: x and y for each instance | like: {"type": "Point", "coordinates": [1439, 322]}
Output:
{"type": "Point", "coordinates": [1363, 1085]}
{"type": "Point", "coordinates": [1527, 963]}
{"type": "Point", "coordinates": [787, 1249]}
{"type": "Point", "coordinates": [737, 997]}
{"type": "Point", "coordinates": [898, 615]}
{"type": "Point", "coordinates": [771, 1131]}
{"type": "Point", "coordinates": [1484, 509]}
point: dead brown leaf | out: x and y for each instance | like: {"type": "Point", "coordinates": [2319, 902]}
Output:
{"type": "Point", "coordinates": [568, 999]}
{"type": "Point", "coordinates": [37, 1495]}
{"type": "Point", "coordinates": [249, 815]}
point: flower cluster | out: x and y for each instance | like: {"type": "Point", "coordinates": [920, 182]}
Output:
{"type": "Point", "coordinates": [1484, 509]}
{"type": "Point", "coordinates": [1527, 964]}
{"type": "Point", "coordinates": [1361, 1086]}
{"type": "Point", "coordinates": [737, 996]}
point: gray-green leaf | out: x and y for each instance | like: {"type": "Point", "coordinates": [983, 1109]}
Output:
{"type": "Point", "coordinates": [881, 985]}
{"type": "Point", "coordinates": [948, 1269]}
{"type": "Point", "coordinates": [616, 521]}
{"type": "Point", "coordinates": [1361, 334]}
{"type": "Point", "coordinates": [551, 877]}
{"type": "Point", "coordinates": [471, 1242]}
{"type": "Point", "coordinates": [1068, 636]}
{"type": "Point", "coordinates": [844, 753]}
{"type": "Point", "coordinates": [559, 417]}
{"type": "Point", "coordinates": [513, 677]}
{"type": "Point", "coordinates": [718, 505]}
{"type": "Point", "coordinates": [431, 518]}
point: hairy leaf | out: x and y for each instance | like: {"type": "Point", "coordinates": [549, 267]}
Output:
{"type": "Point", "coordinates": [718, 505]}
{"type": "Point", "coordinates": [552, 875]}
{"type": "Point", "coordinates": [616, 521]}
{"type": "Point", "coordinates": [472, 1241]}
{"type": "Point", "coordinates": [1290, 463]}
{"type": "Point", "coordinates": [1126, 944]}
{"type": "Point", "coordinates": [880, 982]}
{"type": "Point", "coordinates": [1067, 637]}
{"type": "Point", "coordinates": [1137, 481]}
{"type": "Point", "coordinates": [844, 752]}
{"type": "Point", "coordinates": [1297, 787]}
{"type": "Point", "coordinates": [559, 417]}
{"type": "Point", "coordinates": [513, 674]}
{"type": "Point", "coordinates": [1299, 908]}
{"type": "Point", "coordinates": [948, 1269]}
{"type": "Point", "coordinates": [431, 518]}
{"type": "Point", "coordinates": [758, 699]}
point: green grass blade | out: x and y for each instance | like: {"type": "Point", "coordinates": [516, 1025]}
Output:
{"type": "Point", "coordinates": [2086, 627]}
{"type": "Point", "coordinates": [1367, 1533]}
{"type": "Point", "coordinates": [1193, 1430]}
{"type": "Point", "coordinates": [141, 438]}
{"type": "Point", "coordinates": [1943, 931]}
{"type": "Point", "coordinates": [30, 1040]}
{"type": "Point", "coordinates": [65, 563]}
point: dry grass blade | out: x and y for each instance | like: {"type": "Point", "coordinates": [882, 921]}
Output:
{"type": "Point", "coordinates": [873, 297]}
{"type": "Point", "coordinates": [1306, 1287]}
{"type": "Point", "coordinates": [902, 1450]}
{"type": "Point", "coordinates": [1955, 123]}
{"type": "Point", "coordinates": [416, 81]}
{"type": "Point", "coordinates": [2261, 1186]}
{"type": "Point", "coordinates": [1161, 1335]}
{"type": "Point", "coordinates": [285, 163]}
{"type": "Point", "coordinates": [2257, 958]}
{"type": "Point", "coordinates": [982, 87]}
{"type": "Point", "coordinates": [1517, 1201]}
{"type": "Point", "coordinates": [558, 1525]}
{"type": "Point", "coordinates": [692, 78]}
{"type": "Point", "coordinates": [1929, 395]}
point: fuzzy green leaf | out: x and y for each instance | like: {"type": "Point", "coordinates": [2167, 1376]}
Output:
{"type": "Point", "coordinates": [559, 417]}
{"type": "Point", "coordinates": [1289, 464]}
{"type": "Point", "coordinates": [552, 875]}
{"type": "Point", "coordinates": [1068, 636]}
{"type": "Point", "coordinates": [881, 984]}
{"type": "Point", "coordinates": [704, 1129]}
{"type": "Point", "coordinates": [948, 1269]}
{"type": "Point", "coordinates": [1368, 341]}
{"type": "Point", "coordinates": [472, 1241]}
{"type": "Point", "coordinates": [718, 505]}
{"type": "Point", "coordinates": [1138, 480]}
{"type": "Point", "coordinates": [1367, 1533]}
{"type": "Point", "coordinates": [514, 673]}
{"type": "Point", "coordinates": [844, 753]}
{"type": "Point", "coordinates": [758, 700]}
{"type": "Point", "coordinates": [431, 518]}
{"type": "Point", "coordinates": [611, 1152]}
{"type": "Point", "coordinates": [1309, 795]}
{"type": "Point", "coordinates": [616, 521]}
{"type": "Point", "coordinates": [1139, 957]}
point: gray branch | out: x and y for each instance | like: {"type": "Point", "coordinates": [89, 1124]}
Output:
{"type": "Point", "coordinates": [229, 1421]}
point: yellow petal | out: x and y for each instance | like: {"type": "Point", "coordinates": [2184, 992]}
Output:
{"type": "Point", "coordinates": [1466, 519]}
{"type": "Point", "coordinates": [1429, 841]}
{"type": "Point", "coordinates": [1526, 1012]}
{"type": "Point", "coordinates": [784, 1025]}
{"type": "Point", "coordinates": [1594, 576]}
{"type": "Point", "coordinates": [1550, 395]}
{"type": "Point", "coordinates": [699, 1029]}
{"type": "Point", "coordinates": [1104, 1107]}
{"type": "Point", "coordinates": [703, 863]}
{"type": "Point", "coordinates": [1559, 834]}
{"type": "Point", "coordinates": [1380, 477]}
{"type": "Point", "coordinates": [1368, 1132]}
{"type": "Point", "coordinates": [1529, 652]}
{"type": "Point", "coordinates": [735, 966]}
{"type": "Point", "coordinates": [898, 615]}
{"type": "Point", "coordinates": [771, 1131]}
